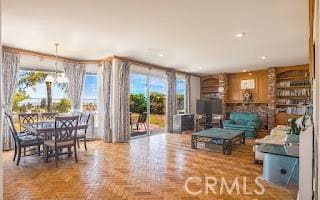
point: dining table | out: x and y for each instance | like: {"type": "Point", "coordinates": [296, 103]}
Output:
{"type": "Point", "coordinates": [46, 128]}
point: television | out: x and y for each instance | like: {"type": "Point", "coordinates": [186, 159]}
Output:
{"type": "Point", "coordinates": [209, 107]}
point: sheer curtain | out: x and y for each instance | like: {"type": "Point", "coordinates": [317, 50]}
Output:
{"type": "Point", "coordinates": [171, 101]}
{"type": "Point", "coordinates": [106, 91]}
{"type": "Point", "coordinates": [75, 74]}
{"type": "Point", "coordinates": [188, 94]}
{"type": "Point", "coordinates": [10, 62]}
{"type": "Point", "coordinates": [120, 101]}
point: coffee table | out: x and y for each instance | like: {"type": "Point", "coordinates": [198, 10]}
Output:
{"type": "Point", "coordinates": [225, 136]}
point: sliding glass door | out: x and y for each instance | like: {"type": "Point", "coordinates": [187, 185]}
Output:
{"type": "Point", "coordinates": [157, 97]}
{"type": "Point", "coordinates": [138, 104]}
{"type": "Point", "coordinates": [148, 96]}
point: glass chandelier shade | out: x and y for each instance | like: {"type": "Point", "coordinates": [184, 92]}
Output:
{"type": "Point", "coordinates": [56, 77]}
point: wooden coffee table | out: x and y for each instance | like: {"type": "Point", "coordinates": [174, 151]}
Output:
{"type": "Point", "coordinates": [225, 136]}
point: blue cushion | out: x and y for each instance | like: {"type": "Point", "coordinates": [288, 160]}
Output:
{"type": "Point", "coordinates": [239, 127]}
{"type": "Point", "coordinates": [254, 124]}
{"type": "Point", "coordinates": [241, 121]}
{"type": "Point", "coordinates": [229, 121]}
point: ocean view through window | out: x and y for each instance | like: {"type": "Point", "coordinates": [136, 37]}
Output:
{"type": "Point", "coordinates": [32, 94]}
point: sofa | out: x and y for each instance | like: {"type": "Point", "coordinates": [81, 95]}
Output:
{"type": "Point", "coordinates": [277, 136]}
{"type": "Point", "coordinates": [246, 121]}
{"type": "Point", "coordinates": [280, 136]}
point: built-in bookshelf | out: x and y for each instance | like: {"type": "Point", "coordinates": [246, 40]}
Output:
{"type": "Point", "coordinates": [209, 87]}
{"type": "Point", "coordinates": [293, 92]}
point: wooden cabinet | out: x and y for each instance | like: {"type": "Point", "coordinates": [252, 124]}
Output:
{"type": "Point", "coordinates": [183, 122]}
{"type": "Point", "coordinates": [282, 118]}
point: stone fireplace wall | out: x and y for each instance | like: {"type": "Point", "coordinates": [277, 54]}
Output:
{"type": "Point", "coordinates": [261, 109]}
{"type": "Point", "coordinates": [223, 83]}
{"type": "Point", "coordinates": [271, 97]}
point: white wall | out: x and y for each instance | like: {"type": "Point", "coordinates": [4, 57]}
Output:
{"type": "Point", "coordinates": [195, 92]}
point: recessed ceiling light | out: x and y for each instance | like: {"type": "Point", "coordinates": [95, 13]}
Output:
{"type": "Point", "coordinates": [263, 57]}
{"type": "Point", "coordinates": [239, 35]}
{"type": "Point", "coordinates": [161, 55]}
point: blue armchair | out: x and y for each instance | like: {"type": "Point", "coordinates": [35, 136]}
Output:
{"type": "Point", "coordinates": [248, 122]}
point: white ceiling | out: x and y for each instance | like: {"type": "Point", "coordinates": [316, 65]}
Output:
{"type": "Point", "coordinates": [193, 36]}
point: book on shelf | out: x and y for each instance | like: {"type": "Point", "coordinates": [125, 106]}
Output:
{"type": "Point", "coordinates": [213, 95]}
{"type": "Point", "coordinates": [294, 101]}
{"type": "Point", "coordinates": [293, 83]}
{"type": "Point", "coordinates": [301, 110]}
{"type": "Point", "coordinates": [296, 92]}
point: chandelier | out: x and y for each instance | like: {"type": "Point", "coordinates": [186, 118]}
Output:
{"type": "Point", "coordinates": [56, 77]}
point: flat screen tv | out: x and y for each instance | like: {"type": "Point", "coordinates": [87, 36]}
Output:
{"type": "Point", "coordinates": [209, 106]}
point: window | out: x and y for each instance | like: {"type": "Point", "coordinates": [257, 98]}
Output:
{"type": "Point", "coordinates": [32, 94]}
{"type": "Point", "coordinates": [90, 92]}
{"type": "Point", "coordinates": [180, 92]}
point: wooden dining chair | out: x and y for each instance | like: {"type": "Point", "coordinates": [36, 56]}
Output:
{"type": "Point", "coordinates": [48, 116]}
{"type": "Point", "coordinates": [82, 134]}
{"type": "Point", "coordinates": [22, 141]}
{"type": "Point", "coordinates": [134, 121]}
{"type": "Point", "coordinates": [65, 136]}
{"type": "Point", "coordinates": [143, 120]}
{"type": "Point", "coordinates": [27, 119]}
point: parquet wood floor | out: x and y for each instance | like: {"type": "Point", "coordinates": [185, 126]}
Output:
{"type": "Point", "coordinates": [153, 167]}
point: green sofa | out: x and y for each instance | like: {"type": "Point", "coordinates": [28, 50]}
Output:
{"type": "Point", "coordinates": [248, 122]}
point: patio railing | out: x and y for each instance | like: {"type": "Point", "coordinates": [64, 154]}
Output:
{"type": "Point", "coordinates": [32, 103]}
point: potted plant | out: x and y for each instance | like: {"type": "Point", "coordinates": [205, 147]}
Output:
{"type": "Point", "coordinates": [292, 138]}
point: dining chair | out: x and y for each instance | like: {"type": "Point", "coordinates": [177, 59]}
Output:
{"type": "Point", "coordinates": [134, 121]}
{"type": "Point", "coordinates": [27, 119]}
{"type": "Point", "coordinates": [49, 115]}
{"type": "Point", "coordinates": [82, 134]}
{"type": "Point", "coordinates": [22, 141]}
{"type": "Point", "coordinates": [65, 136]}
{"type": "Point", "coordinates": [143, 119]}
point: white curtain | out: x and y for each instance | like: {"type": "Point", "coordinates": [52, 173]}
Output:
{"type": "Point", "coordinates": [10, 62]}
{"type": "Point", "coordinates": [121, 131]}
{"type": "Point", "coordinates": [106, 83]}
{"type": "Point", "coordinates": [75, 74]}
{"type": "Point", "coordinates": [171, 101]}
{"type": "Point", "coordinates": [188, 94]}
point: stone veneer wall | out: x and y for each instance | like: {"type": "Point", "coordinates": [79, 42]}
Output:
{"type": "Point", "coordinates": [261, 109]}
{"type": "Point", "coordinates": [223, 83]}
{"type": "Point", "coordinates": [271, 97]}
